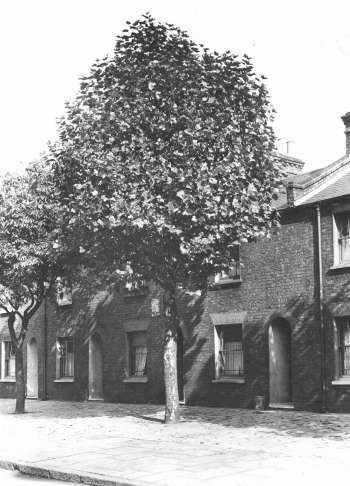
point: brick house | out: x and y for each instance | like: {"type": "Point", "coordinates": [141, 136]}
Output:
{"type": "Point", "coordinates": [277, 327]}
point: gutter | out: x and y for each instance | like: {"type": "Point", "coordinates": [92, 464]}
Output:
{"type": "Point", "coordinates": [321, 311]}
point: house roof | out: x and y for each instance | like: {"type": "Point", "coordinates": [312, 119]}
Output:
{"type": "Point", "coordinates": [337, 188]}
{"type": "Point", "coordinates": [318, 185]}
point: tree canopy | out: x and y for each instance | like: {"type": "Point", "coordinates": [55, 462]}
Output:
{"type": "Point", "coordinates": [174, 142]}
{"type": "Point", "coordinates": [165, 159]}
{"type": "Point", "coordinates": [30, 262]}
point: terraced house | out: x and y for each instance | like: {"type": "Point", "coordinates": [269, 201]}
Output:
{"type": "Point", "coordinates": [277, 327]}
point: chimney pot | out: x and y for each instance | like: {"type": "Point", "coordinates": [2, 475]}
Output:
{"type": "Point", "coordinates": [346, 121]}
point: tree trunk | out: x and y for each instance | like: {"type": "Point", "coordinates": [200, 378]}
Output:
{"type": "Point", "coordinates": [20, 381]}
{"type": "Point", "coordinates": [172, 412]}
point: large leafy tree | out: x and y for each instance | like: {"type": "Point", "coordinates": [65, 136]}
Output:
{"type": "Point", "coordinates": [165, 163]}
{"type": "Point", "coordinates": [29, 259]}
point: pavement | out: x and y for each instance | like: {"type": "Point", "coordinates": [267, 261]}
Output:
{"type": "Point", "coordinates": [128, 444]}
{"type": "Point", "coordinates": [14, 478]}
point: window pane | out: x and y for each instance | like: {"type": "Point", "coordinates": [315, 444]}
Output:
{"type": "Point", "coordinates": [140, 360]}
{"type": "Point", "coordinates": [230, 350]}
{"type": "Point", "coordinates": [343, 222]}
{"type": "Point", "coordinates": [12, 367]}
{"type": "Point", "coordinates": [233, 359]}
{"type": "Point", "coordinates": [344, 247]}
{"type": "Point", "coordinates": [9, 361]}
{"type": "Point", "coordinates": [346, 348]}
{"type": "Point", "coordinates": [66, 357]}
{"type": "Point", "coordinates": [138, 353]}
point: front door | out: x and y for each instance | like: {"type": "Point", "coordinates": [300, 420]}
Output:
{"type": "Point", "coordinates": [280, 363]}
{"type": "Point", "coordinates": [95, 368]}
{"type": "Point", "coordinates": [32, 369]}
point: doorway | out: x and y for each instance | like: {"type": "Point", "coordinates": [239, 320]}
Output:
{"type": "Point", "coordinates": [280, 363]}
{"type": "Point", "coordinates": [32, 369]}
{"type": "Point", "coordinates": [95, 368]}
{"type": "Point", "coordinates": [180, 367]}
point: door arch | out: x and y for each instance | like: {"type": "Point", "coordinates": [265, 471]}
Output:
{"type": "Point", "coordinates": [32, 369]}
{"type": "Point", "coordinates": [280, 362]}
{"type": "Point", "coordinates": [180, 367]}
{"type": "Point", "coordinates": [95, 368]}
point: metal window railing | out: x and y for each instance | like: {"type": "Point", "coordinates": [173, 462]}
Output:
{"type": "Point", "coordinates": [66, 359]}
{"type": "Point", "coordinates": [232, 361]}
{"type": "Point", "coordinates": [346, 360]}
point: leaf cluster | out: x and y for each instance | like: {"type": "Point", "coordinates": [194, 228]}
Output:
{"type": "Point", "coordinates": [165, 157]}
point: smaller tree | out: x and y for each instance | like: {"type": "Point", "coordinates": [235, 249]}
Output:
{"type": "Point", "coordinates": [29, 259]}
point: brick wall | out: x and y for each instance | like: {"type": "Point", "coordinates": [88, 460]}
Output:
{"type": "Point", "coordinates": [279, 280]}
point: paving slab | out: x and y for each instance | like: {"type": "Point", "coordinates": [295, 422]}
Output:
{"type": "Point", "coordinates": [125, 444]}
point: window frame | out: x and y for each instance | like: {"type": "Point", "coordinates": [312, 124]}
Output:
{"type": "Point", "coordinates": [131, 365]}
{"type": "Point", "coordinates": [59, 376]}
{"type": "Point", "coordinates": [232, 276]}
{"type": "Point", "coordinates": [219, 349]}
{"type": "Point", "coordinates": [337, 238]}
{"type": "Point", "coordinates": [63, 293]}
{"type": "Point", "coordinates": [5, 377]}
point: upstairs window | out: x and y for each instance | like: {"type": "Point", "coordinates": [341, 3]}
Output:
{"type": "Point", "coordinates": [137, 353]}
{"type": "Point", "coordinates": [342, 240]}
{"type": "Point", "coordinates": [135, 288]}
{"type": "Point", "coordinates": [65, 358]}
{"type": "Point", "coordinates": [229, 353]}
{"type": "Point", "coordinates": [231, 275]}
{"type": "Point", "coordinates": [64, 292]}
{"type": "Point", "coordinates": [8, 361]}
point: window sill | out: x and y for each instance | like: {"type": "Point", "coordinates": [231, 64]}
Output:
{"type": "Point", "coordinates": [136, 379]}
{"type": "Point", "coordinates": [225, 284]}
{"type": "Point", "coordinates": [238, 379]}
{"type": "Point", "coordinates": [342, 381]}
{"type": "Point", "coordinates": [64, 380]}
{"type": "Point", "coordinates": [340, 266]}
{"type": "Point", "coordinates": [8, 380]}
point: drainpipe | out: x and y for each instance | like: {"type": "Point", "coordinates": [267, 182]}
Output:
{"type": "Point", "coordinates": [322, 322]}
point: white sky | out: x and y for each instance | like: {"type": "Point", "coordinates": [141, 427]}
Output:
{"type": "Point", "coordinates": [303, 47]}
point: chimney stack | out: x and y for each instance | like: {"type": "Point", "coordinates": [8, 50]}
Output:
{"type": "Point", "coordinates": [346, 120]}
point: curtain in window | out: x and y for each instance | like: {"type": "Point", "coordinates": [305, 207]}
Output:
{"type": "Point", "coordinates": [344, 247]}
{"type": "Point", "coordinates": [70, 359]}
{"type": "Point", "coordinates": [138, 353]}
{"type": "Point", "coordinates": [343, 222]}
{"type": "Point", "coordinates": [140, 360]}
{"type": "Point", "coordinates": [10, 361]}
{"type": "Point", "coordinates": [346, 343]}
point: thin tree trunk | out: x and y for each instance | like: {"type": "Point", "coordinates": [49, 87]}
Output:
{"type": "Point", "coordinates": [172, 411]}
{"type": "Point", "coordinates": [20, 381]}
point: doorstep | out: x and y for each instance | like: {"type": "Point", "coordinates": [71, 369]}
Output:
{"type": "Point", "coordinates": [282, 406]}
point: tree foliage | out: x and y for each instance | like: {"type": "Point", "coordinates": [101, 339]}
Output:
{"type": "Point", "coordinates": [29, 259]}
{"type": "Point", "coordinates": [173, 140]}
{"type": "Point", "coordinates": [165, 158]}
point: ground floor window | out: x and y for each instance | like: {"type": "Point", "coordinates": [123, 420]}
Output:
{"type": "Point", "coordinates": [229, 351]}
{"type": "Point", "coordinates": [65, 358]}
{"type": "Point", "coordinates": [137, 342]}
{"type": "Point", "coordinates": [7, 361]}
{"type": "Point", "coordinates": [343, 347]}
